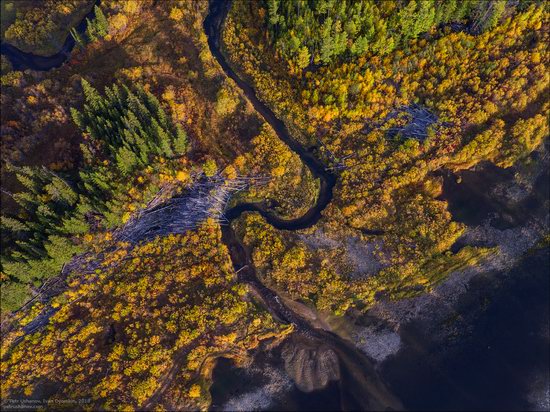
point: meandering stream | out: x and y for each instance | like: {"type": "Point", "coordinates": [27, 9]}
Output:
{"type": "Point", "coordinates": [364, 385]}
{"type": "Point", "coordinates": [369, 392]}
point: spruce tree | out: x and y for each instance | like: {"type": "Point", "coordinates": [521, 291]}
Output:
{"type": "Point", "coordinates": [180, 140]}
{"type": "Point", "coordinates": [13, 224]}
{"type": "Point", "coordinates": [126, 160]}
{"type": "Point", "coordinates": [78, 39]}
{"type": "Point", "coordinates": [163, 139]}
{"type": "Point", "coordinates": [101, 23]}
{"type": "Point", "coordinates": [90, 30]}
{"type": "Point", "coordinates": [92, 97]}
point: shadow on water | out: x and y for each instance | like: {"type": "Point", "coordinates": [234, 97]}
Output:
{"type": "Point", "coordinates": [468, 193]}
{"type": "Point", "coordinates": [472, 201]}
{"type": "Point", "coordinates": [500, 349]}
{"type": "Point", "coordinates": [491, 352]}
{"type": "Point", "coordinates": [232, 385]}
{"type": "Point", "coordinates": [426, 376]}
{"type": "Point", "coordinates": [489, 366]}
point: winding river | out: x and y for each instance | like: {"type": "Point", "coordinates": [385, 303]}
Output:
{"type": "Point", "coordinates": [366, 387]}
{"type": "Point", "coordinates": [363, 384]}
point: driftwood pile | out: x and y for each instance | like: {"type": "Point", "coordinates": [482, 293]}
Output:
{"type": "Point", "coordinates": [413, 121]}
{"type": "Point", "coordinates": [406, 122]}
{"type": "Point", "coordinates": [206, 199]}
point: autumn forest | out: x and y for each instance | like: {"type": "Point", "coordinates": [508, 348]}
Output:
{"type": "Point", "coordinates": [273, 204]}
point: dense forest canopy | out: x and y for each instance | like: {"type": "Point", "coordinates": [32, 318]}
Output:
{"type": "Point", "coordinates": [125, 130]}
{"type": "Point", "coordinates": [369, 106]}
{"type": "Point", "coordinates": [325, 31]}
{"type": "Point", "coordinates": [391, 121]}
{"type": "Point", "coordinates": [41, 27]}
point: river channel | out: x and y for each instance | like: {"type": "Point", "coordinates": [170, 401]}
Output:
{"type": "Point", "coordinates": [361, 386]}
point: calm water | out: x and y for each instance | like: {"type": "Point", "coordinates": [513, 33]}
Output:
{"type": "Point", "coordinates": [471, 201]}
{"type": "Point", "coordinates": [231, 382]}
{"type": "Point", "coordinates": [497, 342]}
{"type": "Point", "coordinates": [502, 345]}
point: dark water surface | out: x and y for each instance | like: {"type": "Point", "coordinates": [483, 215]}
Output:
{"type": "Point", "coordinates": [501, 347]}
{"type": "Point", "coordinates": [231, 382]}
{"type": "Point", "coordinates": [502, 340]}
{"type": "Point", "coordinates": [21, 60]}
{"type": "Point", "coordinates": [471, 201]}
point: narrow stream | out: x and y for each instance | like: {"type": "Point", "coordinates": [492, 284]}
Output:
{"type": "Point", "coordinates": [365, 386]}
{"type": "Point", "coordinates": [363, 383]}
{"type": "Point", "coordinates": [469, 375]}
{"type": "Point", "coordinates": [213, 28]}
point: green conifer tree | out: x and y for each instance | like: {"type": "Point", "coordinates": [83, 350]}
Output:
{"type": "Point", "coordinates": [101, 23]}
{"type": "Point", "coordinates": [180, 141]}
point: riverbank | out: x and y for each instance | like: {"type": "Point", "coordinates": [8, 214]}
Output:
{"type": "Point", "coordinates": [480, 340]}
{"type": "Point", "coordinates": [318, 369]}
{"type": "Point", "coordinates": [368, 390]}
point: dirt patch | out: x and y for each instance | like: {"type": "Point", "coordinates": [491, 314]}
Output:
{"type": "Point", "coordinates": [361, 255]}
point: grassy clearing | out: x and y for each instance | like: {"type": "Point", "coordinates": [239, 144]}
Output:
{"type": "Point", "coordinates": [439, 268]}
